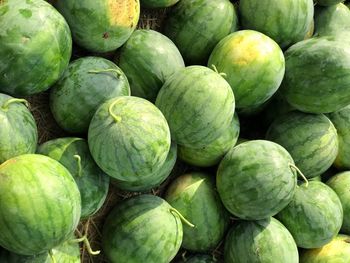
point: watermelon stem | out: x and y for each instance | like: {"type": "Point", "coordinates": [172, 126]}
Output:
{"type": "Point", "coordinates": [216, 70]}
{"type": "Point", "coordinates": [184, 220]}
{"type": "Point", "coordinates": [53, 260]}
{"type": "Point", "coordinates": [110, 110]}
{"type": "Point", "coordinates": [79, 164]}
{"type": "Point", "coordinates": [5, 106]}
{"type": "Point", "coordinates": [85, 240]}
{"type": "Point", "coordinates": [98, 71]}
{"type": "Point", "coordinates": [300, 173]}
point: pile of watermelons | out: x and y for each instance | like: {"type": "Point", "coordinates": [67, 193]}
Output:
{"type": "Point", "coordinates": [250, 98]}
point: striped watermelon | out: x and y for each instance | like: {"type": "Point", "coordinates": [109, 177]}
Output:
{"type": "Point", "coordinates": [199, 259]}
{"type": "Point", "coordinates": [100, 26]}
{"type": "Point", "coordinates": [195, 197]}
{"type": "Point", "coordinates": [285, 21]}
{"type": "Point", "coordinates": [311, 139]}
{"type": "Point", "coordinates": [314, 216]}
{"type": "Point", "coordinates": [18, 131]}
{"type": "Point", "coordinates": [249, 53]}
{"type": "Point", "coordinates": [154, 55]}
{"type": "Point", "coordinates": [40, 204]}
{"type": "Point", "coordinates": [158, 3]}
{"type": "Point", "coordinates": [142, 229]}
{"type": "Point", "coordinates": [340, 183]}
{"type": "Point", "coordinates": [213, 152]}
{"type": "Point", "coordinates": [196, 26]}
{"type": "Point", "coordinates": [74, 154]}
{"type": "Point", "coordinates": [265, 241]}
{"type": "Point", "coordinates": [255, 179]}
{"type": "Point", "coordinates": [35, 46]}
{"type": "Point", "coordinates": [336, 251]}
{"type": "Point", "coordinates": [129, 138]}
{"type": "Point", "coordinates": [85, 85]}
{"type": "Point", "coordinates": [198, 104]}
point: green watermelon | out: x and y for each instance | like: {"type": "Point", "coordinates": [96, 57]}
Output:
{"type": "Point", "coordinates": [314, 216]}
{"type": "Point", "coordinates": [285, 21]}
{"type": "Point", "coordinates": [35, 46]}
{"type": "Point", "coordinates": [195, 197]}
{"type": "Point", "coordinates": [199, 259]}
{"type": "Point", "coordinates": [86, 84]}
{"type": "Point", "coordinates": [158, 3]}
{"type": "Point", "coordinates": [129, 138]}
{"type": "Point", "coordinates": [154, 55]}
{"type": "Point", "coordinates": [341, 121]}
{"type": "Point", "coordinates": [255, 179]}
{"type": "Point", "coordinates": [213, 152]}
{"type": "Point", "coordinates": [264, 241]}
{"type": "Point", "coordinates": [332, 19]}
{"type": "Point", "coordinates": [328, 2]}
{"type": "Point", "coordinates": [74, 154]}
{"type": "Point", "coordinates": [340, 183]}
{"type": "Point", "coordinates": [196, 26]}
{"type": "Point", "coordinates": [249, 53]}
{"type": "Point", "coordinates": [336, 251]}
{"type": "Point", "coordinates": [310, 84]}
{"type": "Point", "coordinates": [198, 104]}
{"type": "Point", "coordinates": [40, 204]}
{"type": "Point", "coordinates": [100, 26]}
{"type": "Point", "coordinates": [311, 139]}
{"type": "Point", "coordinates": [143, 228]}
{"type": "Point", "coordinates": [18, 131]}
{"type": "Point", "coordinates": [157, 177]}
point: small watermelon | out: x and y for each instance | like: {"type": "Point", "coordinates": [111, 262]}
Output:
{"type": "Point", "coordinates": [158, 3]}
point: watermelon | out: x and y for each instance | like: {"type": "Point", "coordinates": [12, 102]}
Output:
{"type": "Point", "coordinates": [157, 177]}
{"type": "Point", "coordinates": [263, 241]}
{"type": "Point", "coordinates": [35, 46]}
{"type": "Point", "coordinates": [332, 19]}
{"type": "Point", "coordinates": [314, 216]}
{"type": "Point", "coordinates": [337, 251]}
{"type": "Point", "coordinates": [129, 138]}
{"type": "Point", "coordinates": [40, 204]}
{"type": "Point", "coordinates": [310, 84]}
{"type": "Point", "coordinates": [341, 121]}
{"type": "Point", "coordinates": [199, 259]}
{"type": "Point", "coordinates": [196, 26]}
{"type": "Point", "coordinates": [328, 2]}
{"type": "Point", "coordinates": [74, 154]}
{"type": "Point", "coordinates": [249, 53]}
{"type": "Point", "coordinates": [255, 179]}
{"type": "Point", "coordinates": [311, 139]}
{"type": "Point", "coordinates": [213, 152]}
{"type": "Point", "coordinates": [100, 26]}
{"type": "Point", "coordinates": [154, 55]}
{"type": "Point", "coordinates": [144, 228]}
{"type": "Point", "coordinates": [198, 104]}
{"type": "Point", "coordinates": [87, 83]}
{"type": "Point", "coordinates": [195, 197]}
{"type": "Point", "coordinates": [285, 21]}
{"type": "Point", "coordinates": [340, 183]}
{"type": "Point", "coordinates": [158, 3]}
{"type": "Point", "coordinates": [18, 131]}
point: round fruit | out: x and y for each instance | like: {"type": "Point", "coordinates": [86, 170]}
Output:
{"type": "Point", "coordinates": [158, 3]}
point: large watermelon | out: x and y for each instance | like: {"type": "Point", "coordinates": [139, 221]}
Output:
{"type": "Point", "coordinates": [328, 2]}
{"type": "Point", "coordinates": [158, 3]}
{"type": "Point", "coordinates": [311, 140]}
{"type": "Point", "coordinates": [285, 21]}
{"type": "Point", "coordinates": [154, 55]}
{"type": "Point", "coordinates": [196, 26]}
{"type": "Point", "coordinates": [92, 182]}
{"type": "Point", "coordinates": [255, 179]}
{"type": "Point", "coordinates": [341, 121]}
{"type": "Point", "coordinates": [340, 183]}
{"type": "Point", "coordinates": [264, 241]}
{"type": "Point", "coordinates": [40, 204]}
{"type": "Point", "coordinates": [199, 259]}
{"type": "Point", "coordinates": [336, 251]}
{"type": "Point", "coordinates": [100, 26]}
{"type": "Point", "coordinates": [129, 138]}
{"type": "Point", "coordinates": [142, 229]}
{"type": "Point", "coordinates": [311, 84]}
{"type": "Point", "coordinates": [195, 197]}
{"type": "Point", "coordinates": [35, 46]}
{"type": "Point", "coordinates": [213, 152]}
{"type": "Point", "coordinates": [18, 131]}
{"type": "Point", "coordinates": [253, 63]}
{"type": "Point", "coordinates": [154, 180]}
{"type": "Point", "coordinates": [198, 104]}
{"type": "Point", "coordinates": [86, 84]}
{"type": "Point", "coordinates": [314, 216]}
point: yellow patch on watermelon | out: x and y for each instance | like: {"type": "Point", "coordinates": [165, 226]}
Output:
{"type": "Point", "coordinates": [124, 13]}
